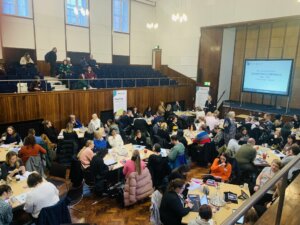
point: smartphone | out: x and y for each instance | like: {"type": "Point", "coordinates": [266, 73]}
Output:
{"type": "Point", "coordinates": [241, 220]}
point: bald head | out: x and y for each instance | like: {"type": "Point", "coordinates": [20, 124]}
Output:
{"type": "Point", "coordinates": [251, 141]}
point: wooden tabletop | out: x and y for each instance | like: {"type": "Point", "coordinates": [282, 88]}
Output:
{"type": "Point", "coordinates": [219, 216]}
{"type": "Point", "coordinates": [190, 135]}
{"type": "Point", "coordinates": [80, 132]}
{"type": "Point", "coordinates": [244, 116]}
{"type": "Point", "coordinates": [18, 188]}
{"type": "Point", "coordinates": [270, 156]}
{"type": "Point", "coordinates": [121, 159]}
{"type": "Point", "coordinates": [185, 113]}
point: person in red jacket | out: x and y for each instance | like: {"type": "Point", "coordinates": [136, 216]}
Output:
{"type": "Point", "coordinates": [30, 148]}
{"type": "Point", "coordinates": [221, 168]}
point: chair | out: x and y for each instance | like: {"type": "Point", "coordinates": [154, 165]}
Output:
{"type": "Point", "coordinates": [76, 174]}
{"type": "Point", "coordinates": [56, 214]}
{"type": "Point", "coordinates": [57, 175]}
{"type": "Point", "coordinates": [180, 160]}
{"type": "Point", "coordinates": [65, 151]}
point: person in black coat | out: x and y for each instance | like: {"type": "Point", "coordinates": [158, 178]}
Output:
{"type": "Point", "coordinates": [51, 58]}
{"type": "Point", "coordinates": [209, 106]}
{"type": "Point", "coordinates": [296, 121]}
{"type": "Point", "coordinates": [50, 131]}
{"type": "Point", "coordinates": [100, 170]}
{"type": "Point", "coordinates": [140, 124]}
{"type": "Point", "coordinates": [163, 132]}
{"type": "Point", "coordinates": [11, 136]}
{"type": "Point", "coordinates": [158, 167]}
{"type": "Point", "coordinates": [172, 207]}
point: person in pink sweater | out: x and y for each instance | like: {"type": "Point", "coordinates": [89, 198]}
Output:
{"type": "Point", "coordinates": [134, 165]}
{"type": "Point", "coordinates": [86, 154]}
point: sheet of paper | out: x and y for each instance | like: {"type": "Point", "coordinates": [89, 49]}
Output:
{"type": "Point", "coordinates": [21, 198]}
{"type": "Point", "coordinates": [109, 161]}
{"type": "Point", "coordinates": [138, 147]}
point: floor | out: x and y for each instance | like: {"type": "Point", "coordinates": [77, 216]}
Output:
{"type": "Point", "coordinates": [95, 210]}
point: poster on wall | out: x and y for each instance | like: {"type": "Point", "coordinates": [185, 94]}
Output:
{"type": "Point", "coordinates": [120, 101]}
{"type": "Point", "coordinates": [201, 96]}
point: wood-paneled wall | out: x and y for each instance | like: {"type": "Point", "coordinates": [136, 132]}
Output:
{"type": "Point", "coordinates": [270, 40]}
{"type": "Point", "coordinates": [210, 58]}
{"type": "Point", "coordinates": [56, 106]}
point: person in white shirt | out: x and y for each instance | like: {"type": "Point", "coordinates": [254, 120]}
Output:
{"type": "Point", "coordinates": [42, 194]}
{"type": "Point", "coordinates": [96, 121]}
{"type": "Point", "coordinates": [26, 59]}
{"type": "Point", "coordinates": [199, 112]}
{"type": "Point", "coordinates": [115, 140]}
{"type": "Point", "coordinates": [233, 145]}
{"type": "Point", "coordinates": [211, 121]}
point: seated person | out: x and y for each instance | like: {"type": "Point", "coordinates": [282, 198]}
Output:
{"type": "Point", "coordinates": [86, 154]}
{"type": "Point", "coordinates": [172, 208]}
{"type": "Point", "coordinates": [204, 217]}
{"type": "Point", "coordinates": [291, 153]}
{"type": "Point", "coordinates": [296, 121]}
{"type": "Point", "coordinates": [266, 174]}
{"type": "Point", "coordinates": [135, 112]}
{"type": "Point", "coordinates": [35, 85]}
{"type": "Point", "coordinates": [168, 112]}
{"type": "Point", "coordinates": [30, 148]}
{"type": "Point", "coordinates": [246, 155]}
{"type": "Point", "coordinates": [163, 132]}
{"type": "Point", "coordinates": [11, 136]}
{"type": "Point", "coordinates": [148, 112]}
{"type": "Point", "coordinates": [276, 140]}
{"type": "Point", "coordinates": [115, 140]}
{"type": "Point", "coordinates": [38, 139]}
{"type": "Point", "coordinates": [211, 120]}
{"type": "Point", "coordinates": [42, 194]}
{"type": "Point", "coordinates": [89, 133]}
{"type": "Point", "coordinates": [92, 62]}
{"type": "Point", "coordinates": [99, 141]}
{"type": "Point", "coordinates": [199, 112]}
{"type": "Point", "coordinates": [135, 164]}
{"type": "Point", "coordinates": [278, 121]}
{"type": "Point", "coordinates": [26, 59]}
{"type": "Point", "coordinates": [100, 171]}
{"type": "Point", "coordinates": [6, 214]}
{"type": "Point", "coordinates": [202, 137]}
{"type": "Point", "coordinates": [64, 70]}
{"type": "Point", "coordinates": [96, 121]}
{"type": "Point", "coordinates": [83, 63]}
{"type": "Point", "coordinates": [245, 137]}
{"type": "Point", "coordinates": [173, 126]}
{"type": "Point", "coordinates": [176, 107]}
{"type": "Point", "coordinates": [111, 124]}
{"type": "Point", "coordinates": [12, 166]}
{"type": "Point", "coordinates": [250, 217]}
{"type": "Point", "coordinates": [221, 168]}
{"type": "Point", "coordinates": [233, 145]}
{"type": "Point", "coordinates": [76, 123]}
{"type": "Point", "coordinates": [181, 138]}
{"type": "Point", "coordinates": [218, 138]}
{"type": "Point", "coordinates": [81, 83]}
{"type": "Point", "coordinates": [69, 133]}
{"type": "Point", "coordinates": [89, 74]}
{"type": "Point", "coordinates": [178, 149]}
{"type": "Point", "coordinates": [139, 139]}
{"type": "Point", "coordinates": [158, 167]}
{"type": "Point", "coordinates": [291, 140]}
{"type": "Point", "coordinates": [50, 131]}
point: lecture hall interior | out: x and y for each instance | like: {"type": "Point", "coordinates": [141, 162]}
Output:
{"type": "Point", "coordinates": [149, 112]}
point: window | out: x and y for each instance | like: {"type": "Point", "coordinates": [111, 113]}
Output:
{"type": "Point", "coordinates": [77, 12]}
{"type": "Point", "coordinates": [21, 8]}
{"type": "Point", "coordinates": [121, 16]}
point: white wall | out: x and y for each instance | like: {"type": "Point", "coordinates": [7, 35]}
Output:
{"type": "Point", "coordinates": [49, 27]}
{"type": "Point", "coordinates": [100, 25]}
{"type": "Point", "coordinates": [226, 64]}
{"type": "Point", "coordinates": [180, 42]}
{"type": "Point", "coordinates": [50, 31]}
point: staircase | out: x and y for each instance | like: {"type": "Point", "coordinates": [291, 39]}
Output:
{"type": "Point", "coordinates": [56, 84]}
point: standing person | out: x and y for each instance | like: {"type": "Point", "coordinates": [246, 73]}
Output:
{"type": "Point", "coordinates": [51, 58]}
{"type": "Point", "coordinates": [209, 106]}
{"type": "Point", "coordinates": [172, 207]}
{"type": "Point", "coordinates": [6, 214]}
{"type": "Point", "coordinates": [229, 127]}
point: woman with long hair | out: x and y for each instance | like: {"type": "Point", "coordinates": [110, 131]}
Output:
{"type": "Point", "coordinates": [135, 164]}
{"type": "Point", "coordinates": [12, 166]}
{"type": "Point", "coordinates": [86, 154]}
{"type": "Point", "coordinates": [10, 136]}
{"type": "Point", "coordinates": [30, 149]}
